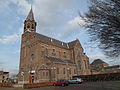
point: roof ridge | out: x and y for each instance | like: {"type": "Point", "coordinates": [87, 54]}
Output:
{"type": "Point", "coordinates": [73, 41]}
{"type": "Point", "coordinates": [59, 43]}
{"type": "Point", "coordinates": [51, 38]}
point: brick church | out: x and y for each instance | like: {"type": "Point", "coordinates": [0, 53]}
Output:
{"type": "Point", "coordinates": [44, 59]}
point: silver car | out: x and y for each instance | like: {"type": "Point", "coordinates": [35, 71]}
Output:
{"type": "Point", "coordinates": [76, 80]}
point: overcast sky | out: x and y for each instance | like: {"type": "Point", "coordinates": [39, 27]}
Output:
{"type": "Point", "coordinates": [55, 18]}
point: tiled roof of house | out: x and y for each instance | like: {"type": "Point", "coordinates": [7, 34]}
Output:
{"type": "Point", "coordinates": [98, 61]}
{"type": "Point", "coordinates": [112, 67]}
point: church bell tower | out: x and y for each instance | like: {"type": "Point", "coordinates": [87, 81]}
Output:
{"type": "Point", "coordinates": [25, 54]}
{"type": "Point", "coordinates": [29, 23]}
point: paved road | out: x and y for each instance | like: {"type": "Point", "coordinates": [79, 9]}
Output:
{"type": "Point", "coordinates": [84, 86]}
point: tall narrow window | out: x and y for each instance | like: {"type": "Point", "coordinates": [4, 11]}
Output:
{"type": "Point", "coordinates": [79, 64]}
{"type": "Point", "coordinates": [64, 71]}
{"type": "Point", "coordinates": [57, 70]}
{"type": "Point", "coordinates": [70, 71]}
{"type": "Point", "coordinates": [64, 54]}
{"type": "Point", "coordinates": [32, 56]}
{"type": "Point", "coordinates": [53, 52]}
{"type": "Point", "coordinates": [32, 26]}
{"type": "Point", "coordinates": [28, 26]}
{"type": "Point", "coordinates": [75, 71]}
{"type": "Point", "coordinates": [42, 51]}
{"type": "Point", "coordinates": [85, 64]}
{"type": "Point", "coordinates": [43, 74]}
{"type": "Point", "coordinates": [46, 74]}
{"type": "Point", "coordinates": [25, 27]}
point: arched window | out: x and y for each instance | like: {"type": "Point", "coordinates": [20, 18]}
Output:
{"type": "Point", "coordinates": [33, 56]}
{"type": "Point", "coordinates": [42, 51]}
{"type": "Point", "coordinates": [47, 74]}
{"type": "Point", "coordinates": [70, 71]}
{"type": "Point", "coordinates": [79, 64]}
{"type": "Point", "coordinates": [64, 54]}
{"type": "Point", "coordinates": [64, 71]}
{"type": "Point", "coordinates": [43, 73]}
{"type": "Point", "coordinates": [28, 26]}
{"type": "Point", "coordinates": [53, 52]}
{"type": "Point", "coordinates": [75, 71]}
{"type": "Point", "coordinates": [57, 70]}
{"type": "Point", "coordinates": [32, 26]}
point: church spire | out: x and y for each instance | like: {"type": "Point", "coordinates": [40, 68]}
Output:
{"type": "Point", "coordinates": [30, 15]}
{"type": "Point", "coordinates": [29, 23]}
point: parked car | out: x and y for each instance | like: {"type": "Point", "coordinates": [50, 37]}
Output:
{"type": "Point", "coordinates": [61, 83]}
{"type": "Point", "coordinates": [76, 80]}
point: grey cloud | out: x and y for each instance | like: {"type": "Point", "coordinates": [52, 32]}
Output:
{"type": "Point", "coordinates": [52, 16]}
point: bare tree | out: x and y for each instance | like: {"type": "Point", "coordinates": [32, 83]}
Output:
{"type": "Point", "coordinates": [103, 25]}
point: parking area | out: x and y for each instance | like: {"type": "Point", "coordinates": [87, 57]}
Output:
{"type": "Point", "coordinates": [106, 85]}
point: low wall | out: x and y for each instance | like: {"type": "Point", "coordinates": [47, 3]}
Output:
{"type": "Point", "coordinates": [18, 85]}
{"type": "Point", "coordinates": [37, 85]}
{"type": "Point", "coordinates": [6, 85]}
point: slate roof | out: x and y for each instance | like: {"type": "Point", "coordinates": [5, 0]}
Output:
{"type": "Point", "coordinates": [112, 67]}
{"type": "Point", "coordinates": [69, 61]}
{"type": "Point", "coordinates": [58, 60]}
{"type": "Point", "coordinates": [54, 59]}
{"type": "Point", "coordinates": [98, 61]}
{"type": "Point", "coordinates": [30, 15]}
{"type": "Point", "coordinates": [55, 42]}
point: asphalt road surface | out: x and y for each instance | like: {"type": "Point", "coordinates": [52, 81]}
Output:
{"type": "Point", "coordinates": [110, 85]}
